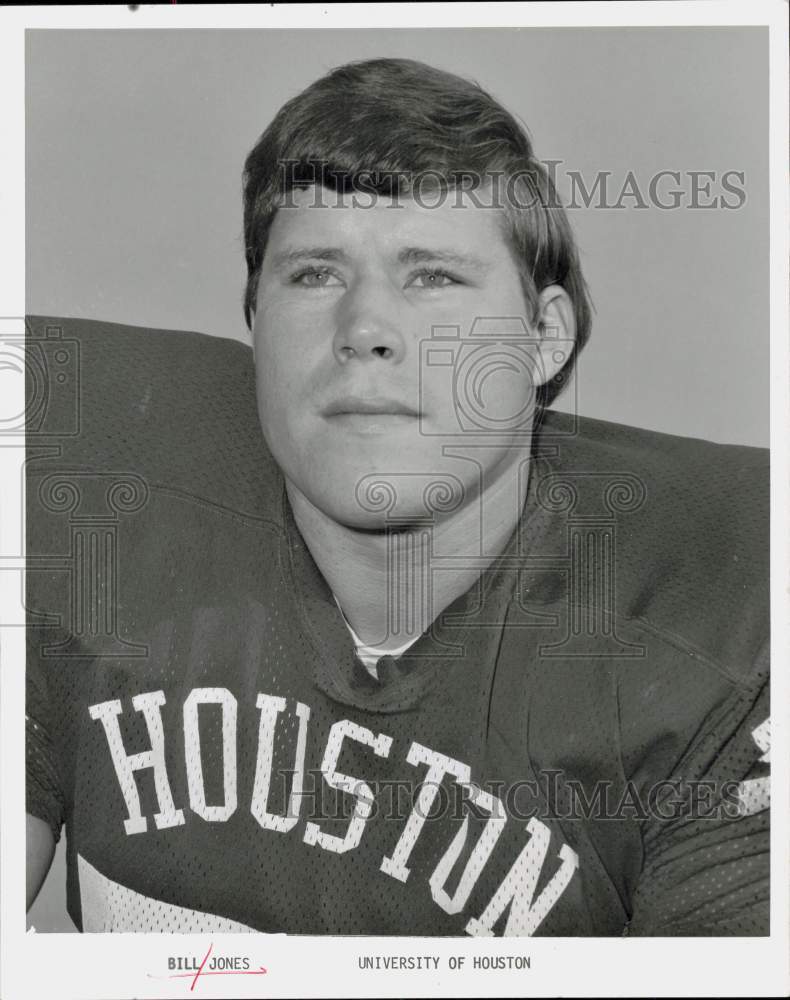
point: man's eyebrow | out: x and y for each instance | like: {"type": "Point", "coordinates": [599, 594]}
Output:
{"type": "Point", "coordinates": [426, 255]}
{"type": "Point", "coordinates": [286, 258]}
{"type": "Point", "coordinates": [408, 255]}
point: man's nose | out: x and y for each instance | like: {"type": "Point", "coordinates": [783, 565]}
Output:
{"type": "Point", "coordinates": [368, 328]}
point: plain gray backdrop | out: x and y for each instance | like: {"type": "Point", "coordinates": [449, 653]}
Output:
{"type": "Point", "coordinates": [136, 139]}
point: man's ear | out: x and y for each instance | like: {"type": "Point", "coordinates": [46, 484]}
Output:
{"type": "Point", "coordinates": [556, 329]}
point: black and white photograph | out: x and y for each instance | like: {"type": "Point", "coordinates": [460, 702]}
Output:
{"type": "Point", "coordinates": [401, 481]}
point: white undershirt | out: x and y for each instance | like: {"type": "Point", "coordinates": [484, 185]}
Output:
{"type": "Point", "coordinates": [370, 655]}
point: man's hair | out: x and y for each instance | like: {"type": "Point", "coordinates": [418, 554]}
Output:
{"type": "Point", "coordinates": [389, 125]}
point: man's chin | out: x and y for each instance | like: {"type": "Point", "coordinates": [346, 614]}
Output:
{"type": "Point", "coordinates": [393, 501]}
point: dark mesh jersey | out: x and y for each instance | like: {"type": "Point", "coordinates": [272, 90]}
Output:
{"type": "Point", "coordinates": [579, 745]}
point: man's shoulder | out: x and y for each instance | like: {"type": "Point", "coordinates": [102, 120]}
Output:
{"type": "Point", "coordinates": [593, 441]}
{"type": "Point", "coordinates": [176, 407]}
{"type": "Point", "coordinates": [687, 523]}
{"type": "Point", "coordinates": [655, 476]}
{"type": "Point", "coordinates": [102, 348]}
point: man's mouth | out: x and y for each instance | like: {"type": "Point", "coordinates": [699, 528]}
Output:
{"type": "Point", "coordinates": [370, 415]}
{"type": "Point", "coordinates": [369, 406]}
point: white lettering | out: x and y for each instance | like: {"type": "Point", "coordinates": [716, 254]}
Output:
{"type": "Point", "coordinates": [754, 794]}
{"type": "Point", "coordinates": [149, 704]}
{"type": "Point", "coordinates": [518, 888]}
{"type": "Point", "coordinates": [479, 856]}
{"type": "Point", "coordinates": [270, 707]}
{"type": "Point", "coordinates": [438, 766]}
{"type": "Point", "coordinates": [193, 758]}
{"type": "Point", "coordinates": [364, 795]}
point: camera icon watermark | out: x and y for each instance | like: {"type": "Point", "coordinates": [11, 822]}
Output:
{"type": "Point", "coordinates": [39, 408]}
{"type": "Point", "coordinates": [43, 464]}
{"type": "Point", "coordinates": [51, 367]}
{"type": "Point", "coordinates": [495, 374]}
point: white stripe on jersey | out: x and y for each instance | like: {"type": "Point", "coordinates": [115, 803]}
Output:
{"type": "Point", "coordinates": [110, 906]}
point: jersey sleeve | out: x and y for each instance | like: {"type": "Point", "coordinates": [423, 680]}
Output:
{"type": "Point", "coordinates": [44, 796]}
{"type": "Point", "coordinates": [706, 844]}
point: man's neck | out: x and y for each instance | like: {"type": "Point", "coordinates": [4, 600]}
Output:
{"type": "Point", "coordinates": [389, 584]}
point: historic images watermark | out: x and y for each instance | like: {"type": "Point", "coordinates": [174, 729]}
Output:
{"type": "Point", "coordinates": [668, 189]}
{"type": "Point", "coordinates": [548, 796]}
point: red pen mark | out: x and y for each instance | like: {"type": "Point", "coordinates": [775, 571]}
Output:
{"type": "Point", "coordinates": [197, 974]}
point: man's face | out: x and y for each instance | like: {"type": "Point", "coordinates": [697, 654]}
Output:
{"type": "Point", "coordinates": [350, 392]}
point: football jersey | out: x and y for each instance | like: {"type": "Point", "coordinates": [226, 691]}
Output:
{"type": "Point", "coordinates": [578, 745]}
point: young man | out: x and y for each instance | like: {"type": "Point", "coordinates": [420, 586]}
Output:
{"type": "Point", "coordinates": [424, 657]}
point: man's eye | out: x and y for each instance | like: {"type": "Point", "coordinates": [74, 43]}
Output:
{"type": "Point", "coordinates": [315, 277]}
{"type": "Point", "coordinates": [433, 279]}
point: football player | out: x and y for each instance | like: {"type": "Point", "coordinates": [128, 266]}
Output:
{"type": "Point", "coordinates": [353, 633]}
